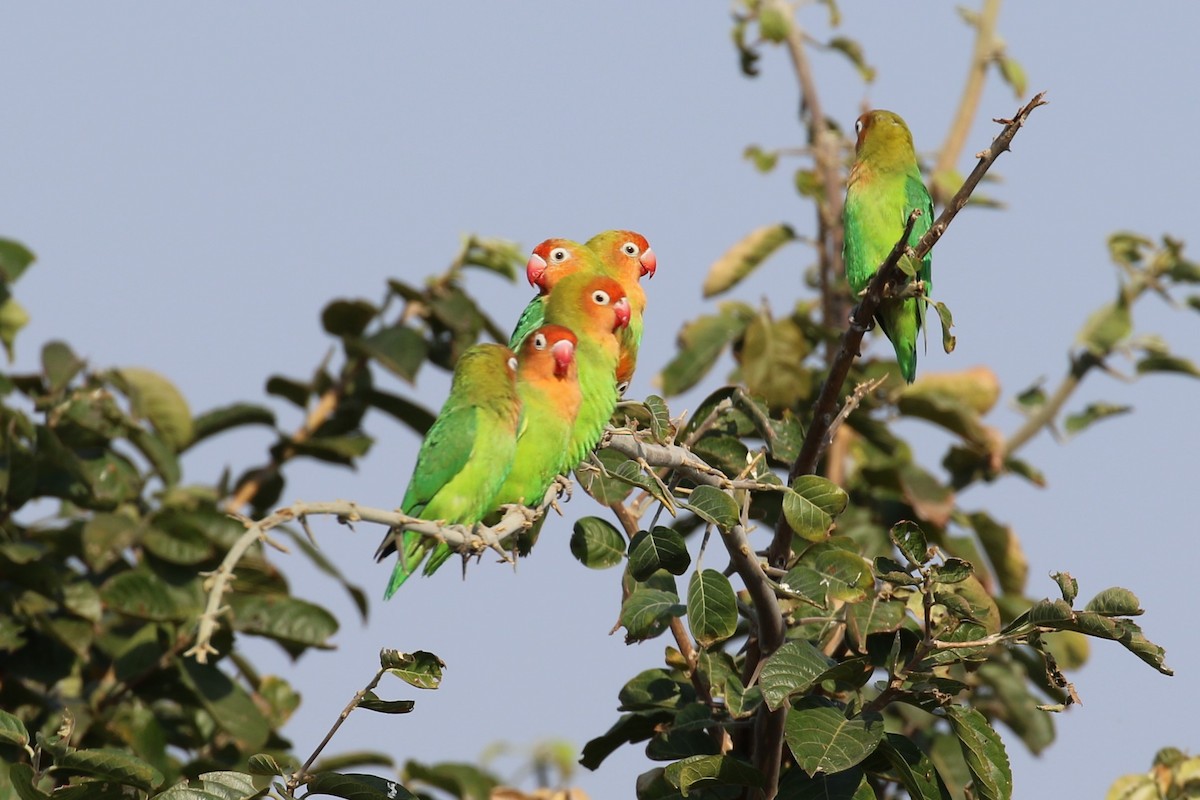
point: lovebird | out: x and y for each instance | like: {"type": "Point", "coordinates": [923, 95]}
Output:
{"type": "Point", "coordinates": [623, 255]}
{"type": "Point", "coordinates": [627, 256]}
{"type": "Point", "coordinates": [464, 460]}
{"type": "Point", "coordinates": [548, 386]}
{"type": "Point", "coordinates": [884, 187]}
{"type": "Point", "coordinates": [596, 309]}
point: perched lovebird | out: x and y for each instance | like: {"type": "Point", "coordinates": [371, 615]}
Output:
{"type": "Point", "coordinates": [885, 186]}
{"type": "Point", "coordinates": [548, 386]}
{"type": "Point", "coordinates": [596, 309]}
{"type": "Point", "coordinates": [627, 256]}
{"type": "Point", "coordinates": [623, 255]}
{"type": "Point", "coordinates": [464, 459]}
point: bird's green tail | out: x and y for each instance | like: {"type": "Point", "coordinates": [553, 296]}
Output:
{"type": "Point", "coordinates": [410, 553]}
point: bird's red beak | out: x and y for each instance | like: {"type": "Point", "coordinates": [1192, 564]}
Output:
{"type": "Point", "coordinates": [535, 270]}
{"type": "Point", "coordinates": [564, 353]}
{"type": "Point", "coordinates": [621, 307]}
{"type": "Point", "coordinates": [649, 263]}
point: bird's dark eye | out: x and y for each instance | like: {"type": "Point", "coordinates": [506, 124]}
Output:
{"type": "Point", "coordinates": [631, 249]}
{"type": "Point", "coordinates": [559, 254]}
{"type": "Point", "coordinates": [600, 297]}
{"type": "Point", "coordinates": [539, 341]}
{"type": "Point", "coordinates": [858, 126]}
{"type": "Point", "coordinates": [622, 387]}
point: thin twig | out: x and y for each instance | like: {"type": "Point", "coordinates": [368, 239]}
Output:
{"type": "Point", "coordinates": [297, 777]}
{"type": "Point", "coordinates": [968, 105]}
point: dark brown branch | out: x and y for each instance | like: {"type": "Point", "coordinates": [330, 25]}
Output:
{"type": "Point", "coordinates": [825, 410]}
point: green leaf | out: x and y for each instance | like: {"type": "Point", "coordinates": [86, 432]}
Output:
{"type": "Point", "coordinates": [646, 613]}
{"type": "Point", "coordinates": [15, 258]}
{"type": "Point", "coordinates": [414, 415]}
{"type": "Point", "coordinates": [764, 160]}
{"type": "Point", "coordinates": [1115, 602]}
{"type": "Point", "coordinates": [724, 770]}
{"type": "Point", "coordinates": [283, 618]}
{"type": "Point", "coordinates": [660, 417]}
{"type": "Point", "coordinates": [371, 702]}
{"type": "Point", "coordinates": [142, 594]}
{"type": "Point", "coordinates": [182, 545]}
{"type": "Point", "coordinates": [877, 615]}
{"type": "Point", "coordinates": [223, 418]}
{"type": "Point", "coordinates": [629, 728]}
{"type": "Point", "coordinates": [22, 779]}
{"type": "Point", "coordinates": [773, 25]}
{"type": "Point", "coordinates": [1094, 413]}
{"type": "Point", "coordinates": [13, 317]}
{"type": "Point", "coordinates": [700, 343]}
{"type": "Point", "coordinates": [421, 668]}
{"type": "Point", "coordinates": [822, 739]}
{"type": "Point", "coordinates": [792, 668]}
{"type": "Point", "coordinates": [713, 506]}
{"type": "Point", "coordinates": [12, 730]}
{"type": "Point", "coordinates": [230, 706]}
{"type": "Point", "coordinates": [1003, 549]}
{"type": "Point", "coordinates": [602, 484]}
{"type": "Point", "coordinates": [398, 348]}
{"type": "Point", "coordinates": [596, 543]}
{"type": "Point", "coordinates": [652, 689]}
{"type": "Point", "coordinates": [335, 449]}
{"type": "Point", "coordinates": [917, 773]}
{"type": "Point", "coordinates": [465, 781]}
{"type": "Point", "coordinates": [772, 360]}
{"type": "Point", "coordinates": [264, 764]}
{"type": "Point", "coordinates": [60, 365]}
{"type": "Point", "coordinates": [294, 391]}
{"type": "Point", "coordinates": [497, 255]}
{"type": "Point", "coordinates": [1067, 585]}
{"type": "Point", "coordinates": [658, 548]}
{"type": "Point", "coordinates": [955, 570]}
{"type": "Point", "coordinates": [111, 764]}
{"type": "Point", "coordinates": [742, 259]}
{"type": "Point", "coordinates": [154, 397]}
{"type": "Point", "coordinates": [354, 758]}
{"type": "Point", "coordinates": [1166, 363]}
{"type": "Point", "coordinates": [984, 752]}
{"type": "Point", "coordinates": [711, 607]}
{"type": "Point", "coordinates": [1107, 327]}
{"type": "Point", "coordinates": [356, 787]}
{"type": "Point", "coordinates": [811, 505]}
{"type": "Point", "coordinates": [347, 317]}
{"type": "Point", "coordinates": [910, 541]}
{"type": "Point", "coordinates": [1013, 74]}
{"type": "Point", "coordinates": [853, 51]}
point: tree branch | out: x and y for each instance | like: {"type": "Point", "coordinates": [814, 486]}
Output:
{"type": "Point", "coordinates": [825, 410]}
{"type": "Point", "coordinates": [968, 106]}
{"type": "Point", "coordinates": [468, 540]}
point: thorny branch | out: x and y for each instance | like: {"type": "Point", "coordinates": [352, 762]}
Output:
{"type": "Point", "coordinates": [469, 541]}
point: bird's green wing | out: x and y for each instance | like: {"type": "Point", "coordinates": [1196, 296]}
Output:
{"type": "Point", "coordinates": [917, 196]}
{"type": "Point", "coordinates": [445, 451]}
{"type": "Point", "coordinates": [532, 318]}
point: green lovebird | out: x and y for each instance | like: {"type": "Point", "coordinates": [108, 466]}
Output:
{"type": "Point", "coordinates": [464, 459]}
{"type": "Point", "coordinates": [884, 187]}
{"type": "Point", "coordinates": [623, 255]}
{"type": "Point", "coordinates": [596, 309]}
{"type": "Point", "coordinates": [548, 385]}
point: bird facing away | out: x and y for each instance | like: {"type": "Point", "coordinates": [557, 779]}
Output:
{"type": "Point", "coordinates": [596, 309]}
{"type": "Point", "coordinates": [623, 255]}
{"type": "Point", "coordinates": [884, 187]}
{"type": "Point", "coordinates": [464, 459]}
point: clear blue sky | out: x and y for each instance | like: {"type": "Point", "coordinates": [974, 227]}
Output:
{"type": "Point", "coordinates": [199, 180]}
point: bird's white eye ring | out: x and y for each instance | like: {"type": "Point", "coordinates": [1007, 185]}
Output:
{"type": "Point", "coordinates": [559, 254]}
{"type": "Point", "coordinates": [630, 249]}
{"type": "Point", "coordinates": [622, 387]}
{"type": "Point", "coordinates": [539, 341]}
{"type": "Point", "coordinates": [858, 126]}
{"type": "Point", "coordinates": [600, 297]}
{"type": "Point", "coordinates": [512, 364]}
